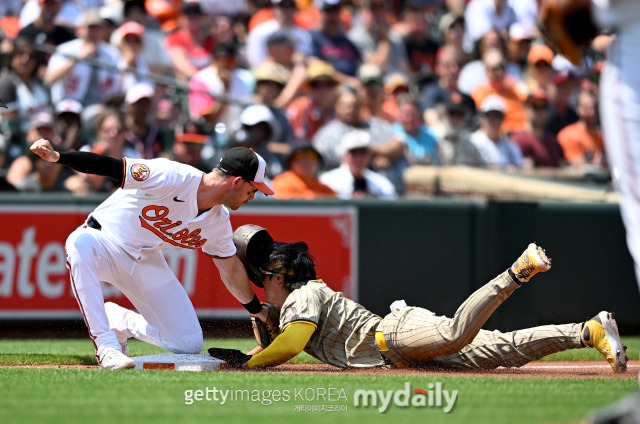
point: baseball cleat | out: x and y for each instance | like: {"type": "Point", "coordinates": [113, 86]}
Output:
{"type": "Point", "coordinates": [113, 359]}
{"type": "Point", "coordinates": [532, 261]}
{"type": "Point", "coordinates": [601, 332]}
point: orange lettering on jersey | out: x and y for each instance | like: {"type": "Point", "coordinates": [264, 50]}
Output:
{"type": "Point", "coordinates": [182, 238]}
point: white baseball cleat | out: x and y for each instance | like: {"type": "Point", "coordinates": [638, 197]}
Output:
{"type": "Point", "coordinates": [113, 359]}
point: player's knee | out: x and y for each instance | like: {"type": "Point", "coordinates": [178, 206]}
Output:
{"type": "Point", "coordinates": [80, 245]}
{"type": "Point", "coordinates": [192, 343]}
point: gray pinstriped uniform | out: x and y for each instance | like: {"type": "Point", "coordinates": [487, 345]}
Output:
{"type": "Point", "coordinates": [345, 333]}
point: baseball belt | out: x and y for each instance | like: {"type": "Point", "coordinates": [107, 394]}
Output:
{"type": "Point", "coordinates": [384, 351]}
{"type": "Point", "coordinates": [93, 223]}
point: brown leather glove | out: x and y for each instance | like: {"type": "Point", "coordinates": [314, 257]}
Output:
{"type": "Point", "coordinates": [567, 26]}
{"type": "Point", "coordinates": [266, 332]}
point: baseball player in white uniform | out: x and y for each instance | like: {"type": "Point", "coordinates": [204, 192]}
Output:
{"type": "Point", "coordinates": [620, 110]}
{"type": "Point", "coordinates": [340, 332]}
{"type": "Point", "coordinates": [160, 204]}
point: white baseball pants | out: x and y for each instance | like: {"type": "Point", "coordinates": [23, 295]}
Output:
{"type": "Point", "coordinates": [166, 316]}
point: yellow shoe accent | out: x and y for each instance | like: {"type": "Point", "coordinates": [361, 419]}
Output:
{"type": "Point", "coordinates": [532, 261]}
{"type": "Point", "coordinates": [601, 332]}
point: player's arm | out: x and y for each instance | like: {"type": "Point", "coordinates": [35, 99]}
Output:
{"type": "Point", "coordinates": [86, 162]}
{"type": "Point", "coordinates": [235, 278]}
{"type": "Point", "coordinates": [287, 345]}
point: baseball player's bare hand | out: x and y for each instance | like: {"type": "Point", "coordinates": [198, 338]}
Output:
{"type": "Point", "coordinates": [43, 149]}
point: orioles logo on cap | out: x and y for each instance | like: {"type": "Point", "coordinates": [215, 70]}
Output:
{"type": "Point", "coordinates": [140, 172]}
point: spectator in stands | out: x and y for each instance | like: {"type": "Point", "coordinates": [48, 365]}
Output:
{"type": "Point", "coordinates": [309, 112]}
{"type": "Point", "coordinates": [131, 35]}
{"type": "Point", "coordinates": [20, 88]}
{"type": "Point", "coordinates": [563, 112]}
{"type": "Point", "coordinates": [188, 145]}
{"type": "Point", "coordinates": [518, 46]}
{"type": "Point", "coordinates": [540, 149]}
{"type": "Point", "coordinates": [166, 12]}
{"type": "Point", "coordinates": [353, 179]}
{"type": "Point", "coordinates": [435, 94]}
{"type": "Point", "coordinates": [499, 84]}
{"type": "Point", "coordinates": [484, 15]}
{"type": "Point", "coordinates": [421, 47]}
{"type": "Point", "coordinates": [301, 180]}
{"type": "Point", "coordinates": [473, 74]}
{"type": "Point", "coordinates": [283, 13]}
{"type": "Point", "coordinates": [141, 128]}
{"type": "Point", "coordinates": [395, 84]}
{"type": "Point", "coordinates": [256, 129]}
{"type": "Point", "coordinates": [454, 136]}
{"type": "Point", "coordinates": [69, 124]}
{"type": "Point", "coordinates": [387, 151]}
{"type": "Point", "coordinates": [153, 53]}
{"type": "Point", "coordinates": [110, 141]}
{"type": "Point", "coordinates": [71, 76]}
{"type": "Point", "coordinates": [281, 50]}
{"type": "Point", "coordinates": [331, 44]}
{"type": "Point", "coordinates": [189, 47]}
{"type": "Point", "coordinates": [271, 79]}
{"type": "Point", "coordinates": [537, 74]}
{"type": "Point", "coordinates": [222, 78]}
{"type": "Point", "coordinates": [582, 141]}
{"type": "Point", "coordinates": [494, 146]}
{"type": "Point", "coordinates": [421, 145]}
{"type": "Point", "coordinates": [31, 174]}
{"type": "Point", "coordinates": [372, 35]}
{"type": "Point", "coordinates": [44, 30]}
{"type": "Point", "coordinates": [452, 29]}
{"type": "Point", "coordinates": [371, 79]}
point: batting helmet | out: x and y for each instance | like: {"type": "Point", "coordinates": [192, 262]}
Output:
{"type": "Point", "coordinates": [253, 245]}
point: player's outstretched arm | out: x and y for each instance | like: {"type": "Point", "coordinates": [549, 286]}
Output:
{"type": "Point", "coordinates": [287, 345]}
{"type": "Point", "coordinates": [235, 278]}
{"type": "Point", "coordinates": [85, 162]}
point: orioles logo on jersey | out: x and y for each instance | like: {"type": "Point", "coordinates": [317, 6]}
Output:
{"type": "Point", "coordinates": [154, 219]}
{"type": "Point", "coordinates": [140, 172]}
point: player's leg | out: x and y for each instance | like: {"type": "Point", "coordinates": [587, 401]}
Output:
{"type": "Point", "coordinates": [165, 316]}
{"type": "Point", "coordinates": [620, 113]}
{"type": "Point", "coordinates": [416, 334]}
{"type": "Point", "coordinates": [492, 349]}
{"type": "Point", "coordinates": [90, 259]}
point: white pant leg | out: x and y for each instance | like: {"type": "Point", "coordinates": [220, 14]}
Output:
{"type": "Point", "coordinates": [90, 259]}
{"type": "Point", "coordinates": [166, 316]}
{"type": "Point", "coordinates": [620, 112]}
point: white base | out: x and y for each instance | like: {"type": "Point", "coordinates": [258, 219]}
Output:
{"type": "Point", "coordinates": [176, 362]}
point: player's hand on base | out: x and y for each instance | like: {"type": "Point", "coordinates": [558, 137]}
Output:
{"type": "Point", "coordinates": [43, 149]}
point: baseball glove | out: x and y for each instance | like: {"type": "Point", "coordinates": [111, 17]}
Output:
{"type": "Point", "coordinates": [266, 332]}
{"type": "Point", "coordinates": [568, 26]}
{"type": "Point", "coordinates": [233, 357]}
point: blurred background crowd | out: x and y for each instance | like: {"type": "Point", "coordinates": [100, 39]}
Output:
{"type": "Point", "coordinates": [340, 97]}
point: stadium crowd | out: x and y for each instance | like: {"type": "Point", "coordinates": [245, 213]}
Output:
{"type": "Point", "coordinates": [340, 97]}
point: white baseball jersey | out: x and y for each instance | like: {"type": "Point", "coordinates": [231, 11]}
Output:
{"type": "Point", "coordinates": [157, 208]}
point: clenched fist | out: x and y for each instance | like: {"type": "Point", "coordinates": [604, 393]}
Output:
{"type": "Point", "coordinates": [43, 149]}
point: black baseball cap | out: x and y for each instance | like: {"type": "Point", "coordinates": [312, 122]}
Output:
{"type": "Point", "coordinates": [244, 162]}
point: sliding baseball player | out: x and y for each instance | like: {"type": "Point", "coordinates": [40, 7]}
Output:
{"type": "Point", "coordinates": [340, 332]}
